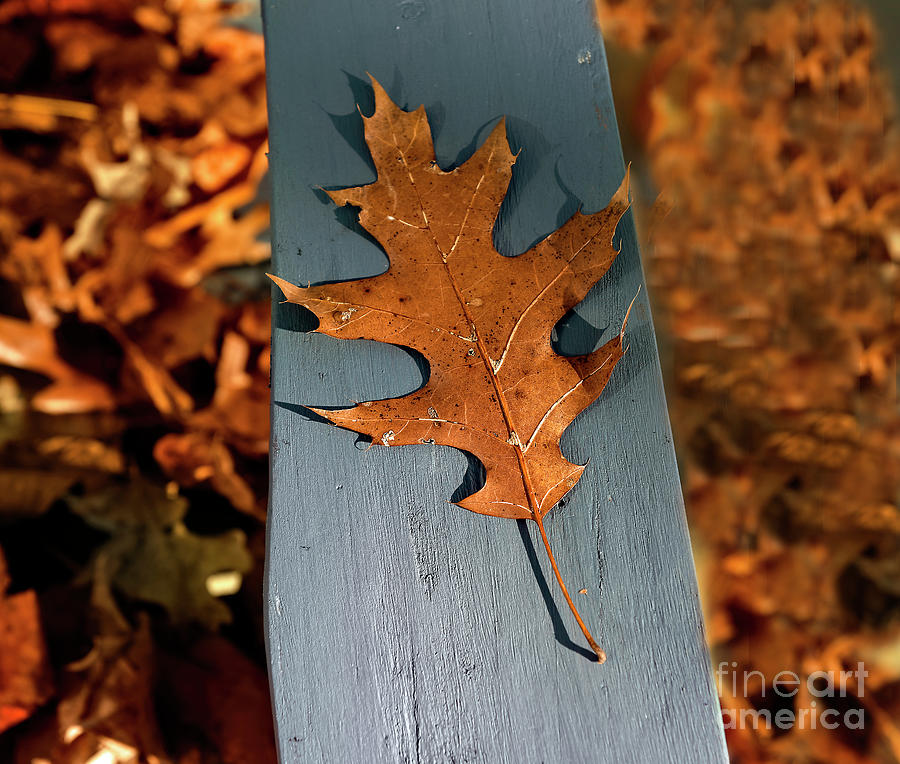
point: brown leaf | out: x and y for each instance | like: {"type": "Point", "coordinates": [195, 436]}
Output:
{"type": "Point", "coordinates": [211, 214]}
{"type": "Point", "coordinates": [25, 680]}
{"type": "Point", "coordinates": [163, 336]}
{"type": "Point", "coordinates": [108, 700]}
{"type": "Point", "coordinates": [195, 458]}
{"type": "Point", "coordinates": [33, 347]}
{"type": "Point", "coordinates": [110, 8]}
{"type": "Point", "coordinates": [240, 407]}
{"type": "Point", "coordinates": [121, 181]}
{"type": "Point", "coordinates": [217, 689]}
{"type": "Point", "coordinates": [217, 165]}
{"type": "Point", "coordinates": [497, 389]}
{"type": "Point", "coordinates": [231, 243]}
{"type": "Point", "coordinates": [769, 130]}
{"type": "Point", "coordinates": [26, 492]}
{"type": "Point", "coordinates": [159, 385]}
{"type": "Point", "coordinates": [37, 266]}
{"type": "Point", "coordinates": [82, 453]}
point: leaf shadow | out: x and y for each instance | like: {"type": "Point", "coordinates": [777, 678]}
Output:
{"type": "Point", "coordinates": [350, 125]}
{"type": "Point", "coordinates": [423, 366]}
{"type": "Point", "coordinates": [473, 479]}
{"type": "Point", "coordinates": [573, 335]}
{"type": "Point", "coordinates": [571, 204]}
{"type": "Point", "coordinates": [532, 147]}
{"type": "Point", "coordinates": [641, 352]}
{"type": "Point", "coordinates": [559, 628]}
{"type": "Point", "coordinates": [347, 215]}
{"type": "Point", "coordinates": [292, 317]}
{"type": "Point", "coordinates": [361, 443]}
{"type": "Point", "coordinates": [303, 411]}
{"type": "Point", "coordinates": [467, 151]}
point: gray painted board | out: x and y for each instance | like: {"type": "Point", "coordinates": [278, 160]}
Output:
{"type": "Point", "coordinates": [400, 627]}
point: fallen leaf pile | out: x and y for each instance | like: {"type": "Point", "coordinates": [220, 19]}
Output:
{"type": "Point", "coordinates": [134, 363]}
{"type": "Point", "coordinates": [773, 256]}
{"type": "Point", "coordinates": [496, 388]}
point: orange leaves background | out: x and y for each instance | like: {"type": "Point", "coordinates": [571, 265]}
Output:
{"type": "Point", "coordinates": [134, 362]}
{"type": "Point", "coordinates": [767, 134]}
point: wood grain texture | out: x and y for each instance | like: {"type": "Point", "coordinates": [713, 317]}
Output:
{"type": "Point", "coordinates": [402, 628]}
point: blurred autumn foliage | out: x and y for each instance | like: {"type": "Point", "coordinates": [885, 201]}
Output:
{"type": "Point", "coordinates": [134, 362]}
{"type": "Point", "coordinates": [773, 255]}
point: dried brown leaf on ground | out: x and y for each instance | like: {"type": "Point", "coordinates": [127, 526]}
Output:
{"type": "Point", "coordinates": [33, 347]}
{"type": "Point", "coordinates": [216, 689]}
{"type": "Point", "coordinates": [238, 412]}
{"type": "Point", "coordinates": [26, 681]}
{"type": "Point", "coordinates": [107, 699]}
{"type": "Point", "coordinates": [25, 492]}
{"type": "Point", "coordinates": [496, 389]}
{"type": "Point", "coordinates": [194, 457]}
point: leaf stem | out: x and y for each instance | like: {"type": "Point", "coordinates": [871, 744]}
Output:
{"type": "Point", "coordinates": [601, 655]}
{"type": "Point", "coordinates": [523, 468]}
{"type": "Point", "coordinates": [492, 374]}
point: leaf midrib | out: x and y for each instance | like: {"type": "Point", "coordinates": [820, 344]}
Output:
{"type": "Point", "coordinates": [514, 439]}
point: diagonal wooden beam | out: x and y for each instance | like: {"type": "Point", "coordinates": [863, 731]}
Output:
{"type": "Point", "coordinates": [402, 628]}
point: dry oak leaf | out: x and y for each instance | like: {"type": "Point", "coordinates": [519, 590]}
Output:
{"type": "Point", "coordinates": [25, 675]}
{"type": "Point", "coordinates": [33, 347]}
{"type": "Point", "coordinates": [496, 387]}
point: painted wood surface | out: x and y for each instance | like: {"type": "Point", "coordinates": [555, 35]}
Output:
{"type": "Point", "coordinates": [400, 627]}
